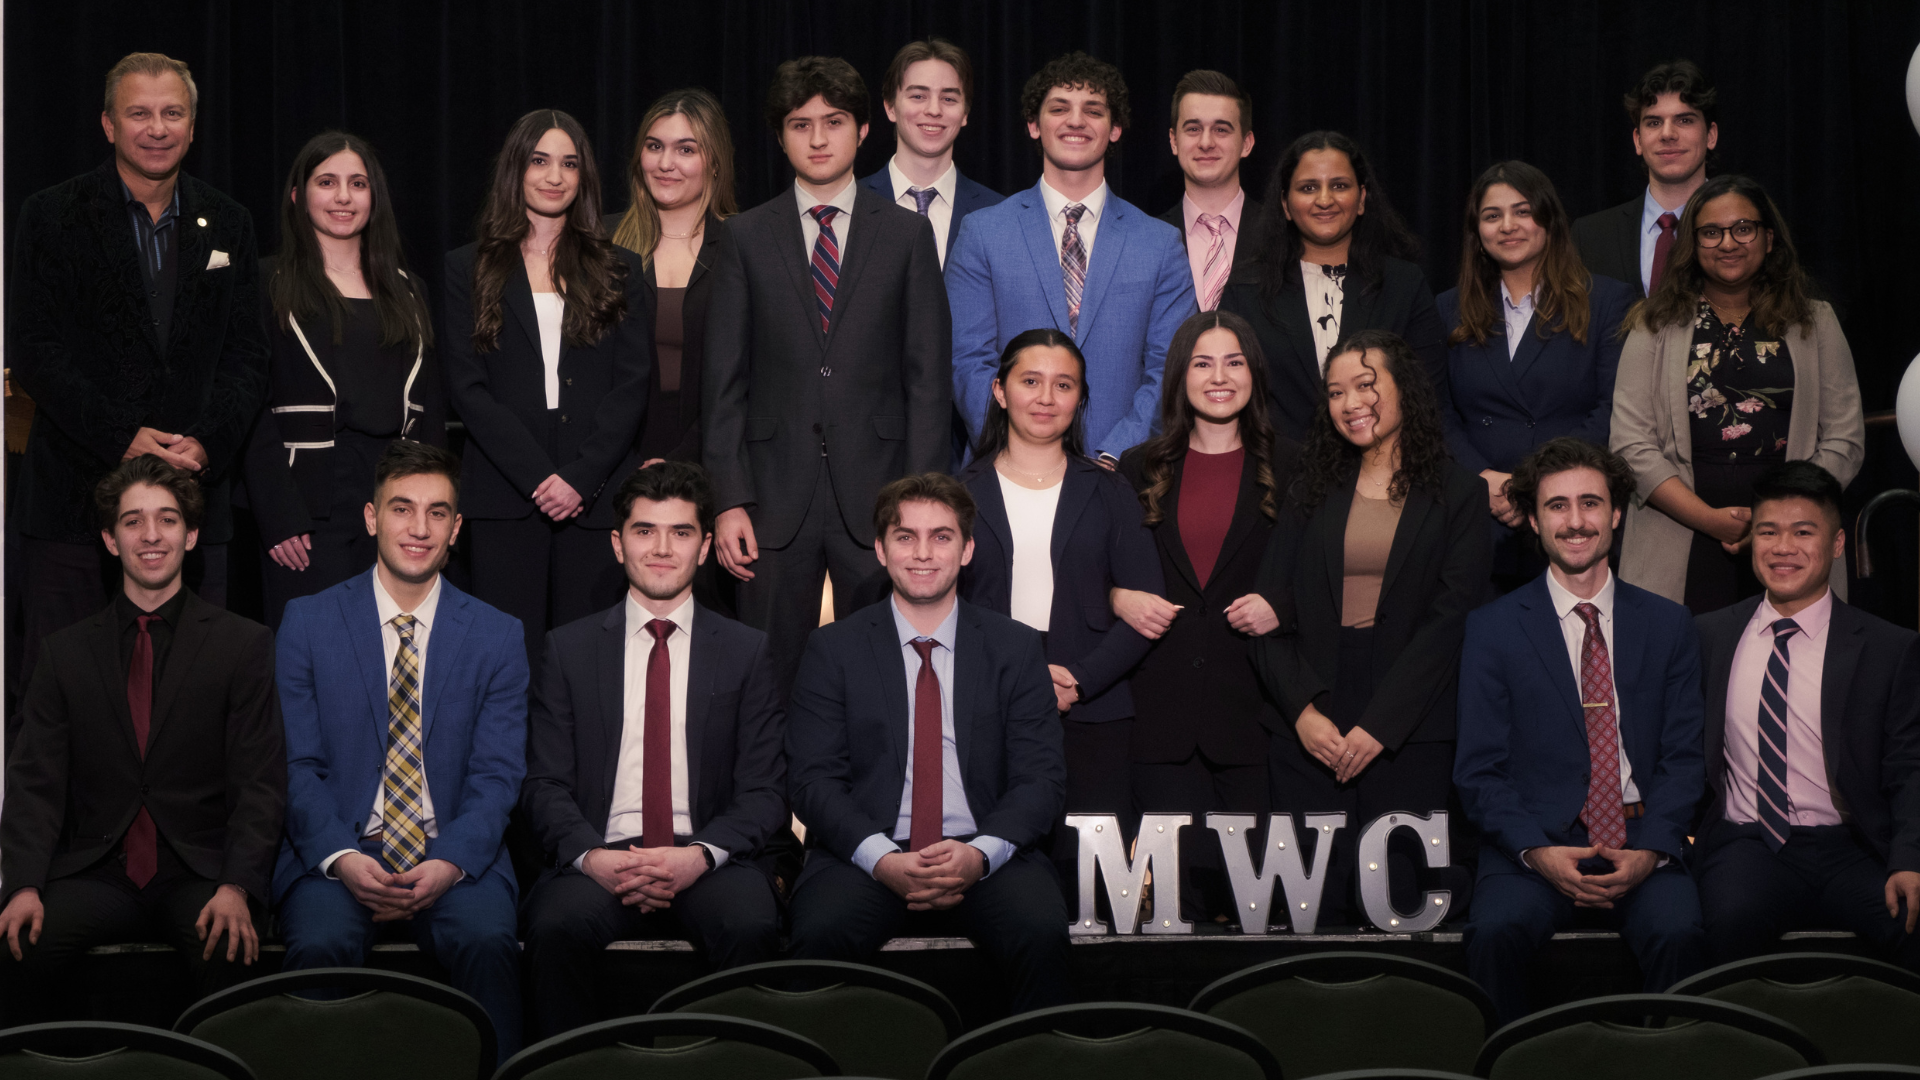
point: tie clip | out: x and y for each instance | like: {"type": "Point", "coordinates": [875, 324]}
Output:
{"type": "Point", "coordinates": [1596, 704]}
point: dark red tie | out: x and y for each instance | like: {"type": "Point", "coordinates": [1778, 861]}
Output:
{"type": "Point", "coordinates": [656, 780]}
{"type": "Point", "coordinates": [1605, 817]}
{"type": "Point", "coordinates": [142, 840]}
{"type": "Point", "coordinates": [1661, 248]}
{"type": "Point", "coordinates": [929, 778]}
{"type": "Point", "coordinates": [826, 264]}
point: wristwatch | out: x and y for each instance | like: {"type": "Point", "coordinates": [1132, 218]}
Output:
{"type": "Point", "coordinates": [708, 852]}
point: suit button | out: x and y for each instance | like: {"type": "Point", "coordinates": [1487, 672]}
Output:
{"type": "Point", "coordinates": [569, 382]}
{"type": "Point", "coordinates": [1486, 421]}
{"type": "Point", "coordinates": [143, 789]}
{"type": "Point", "coordinates": [816, 429]}
{"type": "Point", "coordinates": [1199, 661]}
{"type": "Point", "coordinates": [563, 418]}
{"type": "Point", "coordinates": [1529, 423]}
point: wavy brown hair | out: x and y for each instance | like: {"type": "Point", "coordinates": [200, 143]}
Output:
{"type": "Point", "coordinates": [1329, 460]}
{"type": "Point", "coordinates": [590, 275]}
{"type": "Point", "coordinates": [1561, 281]}
{"type": "Point", "coordinates": [639, 229]}
{"type": "Point", "coordinates": [1778, 293]}
{"type": "Point", "coordinates": [1165, 450]}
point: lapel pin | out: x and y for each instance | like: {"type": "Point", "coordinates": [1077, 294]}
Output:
{"type": "Point", "coordinates": [203, 222]}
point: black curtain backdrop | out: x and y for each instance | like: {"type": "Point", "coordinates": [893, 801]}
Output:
{"type": "Point", "coordinates": [1811, 103]}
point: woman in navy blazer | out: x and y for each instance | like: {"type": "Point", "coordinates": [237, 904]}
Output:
{"type": "Point", "coordinates": [1534, 344]}
{"type": "Point", "coordinates": [1031, 465]}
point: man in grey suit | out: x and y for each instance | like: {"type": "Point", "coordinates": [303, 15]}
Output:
{"type": "Point", "coordinates": [829, 366]}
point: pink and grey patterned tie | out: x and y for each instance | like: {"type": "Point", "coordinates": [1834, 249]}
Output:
{"type": "Point", "coordinates": [1214, 277]}
{"type": "Point", "coordinates": [1073, 265]}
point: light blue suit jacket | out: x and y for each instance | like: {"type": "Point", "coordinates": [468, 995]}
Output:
{"type": "Point", "coordinates": [1003, 278]}
{"type": "Point", "coordinates": [333, 691]}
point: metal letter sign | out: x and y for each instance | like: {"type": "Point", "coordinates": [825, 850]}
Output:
{"type": "Point", "coordinates": [1101, 845]}
{"type": "Point", "coordinates": [1253, 890]}
{"type": "Point", "coordinates": [1376, 896]}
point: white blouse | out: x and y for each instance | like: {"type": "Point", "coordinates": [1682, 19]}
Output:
{"type": "Point", "coordinates": [1030, 516]}
{"type": "Point", "coordinates": [550, 308]}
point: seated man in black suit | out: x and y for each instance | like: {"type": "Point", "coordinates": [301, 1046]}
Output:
{"type": "Point", "coordinates": [1812, 743]}
{"type": "Point", "coordinates": [146, 789]}
{"type": "Point", "coordinates": [924, 748]}
{"type": "Point", "coordinates": [655, 771]}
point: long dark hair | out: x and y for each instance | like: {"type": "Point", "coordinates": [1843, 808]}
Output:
{"type": "Point", "coordinates": [1162, 452]}
{"type": "Point", "coordinates": [1328, 460]}
{"type": "Point", "coordinates": [1378, 234]}
{"type": "Point", "coordinates": [300, 288]}
{"type": "Point", "coordinates": [1778, 293]}
{"type": "Point", "coordinates": [993, 431]}
{"type": "Point", "coordinates": [1562, 280]}
{"type": "Point", "coordinates": [590, 276]}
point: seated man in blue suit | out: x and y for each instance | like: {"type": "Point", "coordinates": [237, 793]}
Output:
{"type": "Point", "coordinates": [923, 751]}
{"type": "Point", "coordinates": [1579, 743]}
{"type": "Point", "coordinates": [406, 709]}
{"type": "Point", "coordinates": [1070, 254]}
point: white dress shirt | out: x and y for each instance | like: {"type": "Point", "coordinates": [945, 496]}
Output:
{"type": "Point", "coordinates": [1806, 758]}
{"type": "Point", "coordinates": [810, 228]}
{"type": "Point", "coordinates": [1030, 515]}
{"type": "Point", "coordinates": [550, 310]}
{"type": "Point", "coordinates": [939, 211]}
{"type": "Point", "coordinates": [1650, 212]}
{"type": "Point", "coordinates": [1326, 303]}
{"type": "Point", "coordinates": [956, 816]}
{"type": "Point", "coordinates": [1057, 204]}
{"type": "Point", "coordinates": [1574, 629]}
{"type": "Point", "coordinates": [1200, 241]}
{"type": "Point", "coordinates": [1519, 316]}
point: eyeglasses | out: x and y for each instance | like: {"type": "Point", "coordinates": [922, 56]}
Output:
{"type": "Point", "coordinates": [1711, 235]}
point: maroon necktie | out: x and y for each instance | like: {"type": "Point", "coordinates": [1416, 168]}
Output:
{"type": "Point", "coordinates": [929, 778]}
{"type": "Point", "coordinates": [656, 779]}
{"type": "Point", "coordinates": [143, 851]}
{"type": "Point", "coordinates": [826, 264]}
{"type": "Point", "coordinates": [1605, 817]}
{"type": "Point", "coordinates": [1661, 248]}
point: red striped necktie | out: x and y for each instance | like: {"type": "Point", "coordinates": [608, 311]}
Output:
{"type": "Point", "coordinates": [826, 264]}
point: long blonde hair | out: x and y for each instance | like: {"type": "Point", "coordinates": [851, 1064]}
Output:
{"type": "Point", "coordinates": [639, 230]}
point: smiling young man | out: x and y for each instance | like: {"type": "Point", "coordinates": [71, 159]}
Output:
{"type": "Point", "coordinates": [924, 757]}
{"type": "Point", "coordinates": [656, 773]}
{"type": "Point", "coordinates": [134, 325]}
{"type": "Point", "coordinates": [927, 93]}
{"type": "Point", "coordinates": [406, 715]}
{"type": "Point", "coordinates": [1812, 744]}
{"type": "Point", "coordinates": [1672, 110]}
{"type": "Point", "coordinates": [1070, 254]}
{"type": "Point", "coordinates": [1579, 743]}
{"type": "Point", "coordinates": [1211, 134]}
{"type": "Point", "coordinates": [828, 368]}
{"type": "Point", "coordinates": [145, 789]}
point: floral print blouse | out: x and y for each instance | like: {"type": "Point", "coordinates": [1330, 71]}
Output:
{"type": "Point", "coordinates": [1739, 391]}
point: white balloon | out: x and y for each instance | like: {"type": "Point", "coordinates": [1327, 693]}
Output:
{"type": "Point", "coordinates": [1906, 411]}
{"type": "Point", "coordinates": [1913, 90]}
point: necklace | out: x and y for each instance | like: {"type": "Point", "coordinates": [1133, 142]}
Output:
{"type": "Point", "coordinates": [1040, 478]}
{"type": "Point", "coordinates": [681, 236]}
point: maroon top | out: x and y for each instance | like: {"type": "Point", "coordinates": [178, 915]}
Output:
{"type": "Point", "coordinates": [1209, 486]}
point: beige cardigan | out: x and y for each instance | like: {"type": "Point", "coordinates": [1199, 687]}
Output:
{"type": "Point", "coordinates": [1652, 431]}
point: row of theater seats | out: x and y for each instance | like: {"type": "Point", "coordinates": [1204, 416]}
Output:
{"type": "Point", "coordinates": [1351, 1015]}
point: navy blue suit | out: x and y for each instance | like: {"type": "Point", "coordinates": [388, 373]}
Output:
{"type": "Point", "coordinates": [1522, 765]}
{"type": "Point", "coordinates": [1498, 409]}
{"type": "Point", "coordinates": [333, 678]}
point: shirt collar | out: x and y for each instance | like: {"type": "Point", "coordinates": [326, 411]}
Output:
{"type": "Point", "coordinates": [1190, 213]}
{"type": "Point", "coordinates": [1564, 601]}
{"type": "Point", "coordinates": [125, 610]}
{"type": "Point", "coordinates": [943, 636]}
{"type": "Point", "coordinates": [166, 216]}
{"type": "Point", "coordinates": [638, 617]}
{"type": "Point", "coordinates": [388, 607]}
{"type": "Point", "coordinates": [1524, 304]}
{"type": "Point", "coordinates": [946, 186]}
{"type": "Point", "coordinates": [1650, 212]}
{"type": "Point", "coordinates": [1057, 203]}
{"type": "Point", "coordinates": [843, 200]}
{"type": "Point", "coordinates": [1812, 619]}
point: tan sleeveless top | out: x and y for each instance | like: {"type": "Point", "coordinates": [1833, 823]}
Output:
{"type": "Point", "coordinates": [1370, 528]}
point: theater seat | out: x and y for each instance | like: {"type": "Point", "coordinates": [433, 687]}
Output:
{"type": "Point", "coordinates": [1107, 1041]}
{"type": "Point", "coordinates": [1351, 1010]}
{"type": "Point", "coordinates": [371, 1023]}
{"type": "Point", "coordinates": [1392, 1074]}
{"type": "Point", "coordinates": [104, 1051]}
{"type": "Point", "coordinates": [1646, 1037]}
{"type": "Point", "coordinates": [1850, 1072]}
{"type": "Point", "coordinates": [840, 1006]}
{"type": "Point", "coordinates": [672, 1046]}
{"type": "Point", "coordinates": [1853, 1008]}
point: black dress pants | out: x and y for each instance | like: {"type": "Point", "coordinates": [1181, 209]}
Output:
{"type": "Point", "coordinates": [544, 573]}
{"type": "Point", "coordinates": [1824, 878]}
{"type": "Point", "coordinates": [1099, 781]}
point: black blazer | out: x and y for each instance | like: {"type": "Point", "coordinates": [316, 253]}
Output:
{"type": "Point", "coordinates": [768, 406]}
{"type": "Point", "coordinates": [1437, 572]}
{"type": "Point", "coordinates": [502, 397]}
{"type": "Point", "coordinates": [1401, 303]}
{"type": "Point", "coordinates": [1609, 243]}
{"type": "Point", "coordinates": [1246, 242]}
{"type": "Point", "coordinates": [1098, 544]}
{"type": "Point", "coordinates": [1869, 725]}
{"type": "Point", "coordinates": [214, 778]}
{"type": "Point", "coordinates": [736, 764]}
{"type": "Point", "coordinates": [81, 343]}
{"type": "Point", "coordinates": [288, 464]}
{"type": "Point", "coordinates": [693, 323]}
{"type": "Point", "coordinates": [847, 725]}
{"type": "Point", "coordinates": [1197, 688]}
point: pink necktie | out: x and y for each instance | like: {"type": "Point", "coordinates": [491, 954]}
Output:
{"type": "Point", "coordinates": [1214, 277]}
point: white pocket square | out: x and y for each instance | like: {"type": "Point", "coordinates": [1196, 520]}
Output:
{"type": "Point", "coordinates": [217, 260]}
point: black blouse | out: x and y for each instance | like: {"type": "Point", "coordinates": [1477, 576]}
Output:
{"type": "Point", "coordinates": [1739, 391]}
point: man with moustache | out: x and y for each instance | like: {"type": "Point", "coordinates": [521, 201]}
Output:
{"type": "Point", "coordinates": [145, 790]}
{"type": "Point", "coordinates": [1070, 254]}
{"type": "Point", "coordinates": [656, 773]}
{"type": "Point", "coordinates": [134, 325]}
{"type": "Point", "coordinates": [1211, 135]}
{"type": "Point", "coordinates": [1812, 817]}
{"type": "Point", "coordinates": [406, 714]}
{"type": "Point", "coordinates": [1579, 743]}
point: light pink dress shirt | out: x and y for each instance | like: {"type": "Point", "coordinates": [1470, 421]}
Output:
{"type": "Point", "coordinates": [1806, 761]}
{"type": "Point", "coordinates": [1200, 241]}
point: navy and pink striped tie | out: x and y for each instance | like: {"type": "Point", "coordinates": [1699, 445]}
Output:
{"type": "Point", "coordinates": [826, 264]}
{"type": "Point", "coordinates": [1774, 803]}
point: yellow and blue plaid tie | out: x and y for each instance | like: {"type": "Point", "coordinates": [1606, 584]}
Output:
{"type": "Point", "coordinates": [403, 836]}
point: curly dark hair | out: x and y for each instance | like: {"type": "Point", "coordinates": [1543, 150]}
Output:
{"type": "Point", "coordinates": [1328, 460]}
{"type": "Point", "coordinates": [1558, 456]}
{"type": "Point", "coordinates": [150, 470]}
{"type": "Point", "coordinates": [1682, 77]}
{"type": "Point", "coordinates": [1379, 234]}
{"type": "Point", "coordinates": [835, 81]}
{"type": "Point", "coordinates": [1177, 415]}
{"type": "Point", "coordinates": [1078, 71]}
{"type": "Point", "coordinates": [664, 480]}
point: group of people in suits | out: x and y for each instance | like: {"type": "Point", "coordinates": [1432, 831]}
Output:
{"type": "Point", "coordinates": [1216, 511]}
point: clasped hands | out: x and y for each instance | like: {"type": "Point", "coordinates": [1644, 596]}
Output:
{"type": "Point", "coordinates": [1347, 755]}
{"type": "Point", "coordinates": [392, 896]}
{"type": "Point", "coordinates": [179, 451]}
{"type": "Point", "coordinates": [1561, 867]}
{"type": "Point", "coordinates": [934, 878]}
{"type": "Point", "coordinates": [646, 878]}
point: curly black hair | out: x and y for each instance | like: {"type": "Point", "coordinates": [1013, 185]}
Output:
{"type": "Point", "coordinates": [1563, 454]}
{"type": "Point", "coordinates": [1078, 71]}
{"type": "Point", "coordinates": [1328, 460]}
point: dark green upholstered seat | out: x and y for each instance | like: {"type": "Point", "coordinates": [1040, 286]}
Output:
{"type": "Point", "coordinates": [1853, 1008]}
{"type": "Point", "coordinates": [1850, 1072]}
{"type": "Point", "coordinates": [104, 1051]}
{"type": "Point", "coordinates": [1684, 1038]}
{"type": "Point", "coordinates": [1107, 1041]}
{"type": "Point", "coordinates": [672, 1046]}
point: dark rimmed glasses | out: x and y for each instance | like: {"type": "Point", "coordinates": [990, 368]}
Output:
{"type": "Point", "coordinates": [1712, 236]}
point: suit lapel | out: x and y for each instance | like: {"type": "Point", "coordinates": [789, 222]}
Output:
{"type": "Point", "coordinates": [1412, 515]}
{"type": "Point", "coordinates": [1532, 345]}
{"type": "Point", "coordinates": [709, 250]}
{"type": "Point", "coordinates": [610, 665]}
{"type": "Point", "coordinates": [969, 671]}
{"type": "Point", "coordinates": [117, 240]}
{"type": "Point", "coordinates": [362, 618]}
{"type": "Point", "coordinates": [1046, 257]}
{"type": "Point", "coordinates": [889, 664]}
{"type": "Point", "coordinates": [517, 295]}
{"type": "Point", "coordinates": [1169, 528]}
{"type": "Point", "coordinates": [1628, 235]}
{"type": "Point", "coordinates": [1330, 529]}
{"type": "Point", "coordinates": [1714, 705]}
{"type": "Point", "coordinates": [1246, 509]}
{"type": "Point", "coordinates": [700, 665]}
{"type": "Point", "coordinates": [853, 254]}
{"type": "Point", "coordinates": [1506, 372]}
{"type": "Point", "coordinates": [188, 638]}
{"type": "Point", "coordinates": [1629, 662]}
{"type": "Point", "coordinates": [450, 623]}
{"type": "Point", "coordinates": [785, 237]}
{"type": "Point", "coordinates": [1542, 626]}
{"type": "Point", "coordinates": [1109, 248]}
{"type": "Point", "coordinates": [1836, 677]}
{"type": "Point", "coordinates": [1290, 309]}
{"type": "Point", "coordinates": [1076, 490]}
{"type": "Point", "coordinates": [992, 509]}
{"type": "Point", "coordinates": [105, 636]}
{"type": "Point", "coordinates": [192, 248]}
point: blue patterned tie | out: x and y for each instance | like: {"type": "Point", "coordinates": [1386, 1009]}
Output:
{"type": "Point", "coordinates": [1774, 804]}
{"type": "Point", "coordinates": [922, 198]}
